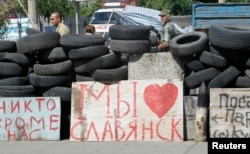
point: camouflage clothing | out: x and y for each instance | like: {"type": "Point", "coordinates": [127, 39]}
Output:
{"type": "Point", "coordinates": [168, 32]}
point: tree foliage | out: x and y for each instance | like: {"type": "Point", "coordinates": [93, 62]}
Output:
{"type": "Point", "coordinates": [89, 8]}
{"type": "Point", "coordinates": [45, 7]}
{"type": "Point", "coordinates": [5, 8]}
{"type": "Point", "coordinates": [67, 8]}
{"type": "Point", "coordinates": [179, 7]}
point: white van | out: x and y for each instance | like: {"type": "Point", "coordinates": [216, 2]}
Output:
{"type": "Point", "coordinates": [102, 19]}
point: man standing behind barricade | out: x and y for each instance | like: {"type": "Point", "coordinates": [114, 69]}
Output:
{"type": "Point", "coordinates": [168, 31]}
{"type": "Point", "coordinates": [56, 20]}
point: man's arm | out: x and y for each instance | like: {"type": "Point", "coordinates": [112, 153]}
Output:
{"type": "Point", "coordinates": [162, 46]}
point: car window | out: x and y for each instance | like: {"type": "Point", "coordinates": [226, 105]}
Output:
{"type": "Point", "coordinates": [103, 18]}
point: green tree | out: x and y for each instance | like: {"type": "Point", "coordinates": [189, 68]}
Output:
{"type": "Point", "coordinates": [89, 8]}
{"type": "Point", "coordinates": [177, 7]}
{"type": "Point", "coordinates": [227, 1]}
{"type": "Point", "coordinates": [5, 8]}
{"type": "Point", "coordinates": [181, 7]}
{"type": "Point", "coordinates": [156, 4]}
{"type": "Point", "coordinates": [45, 7]}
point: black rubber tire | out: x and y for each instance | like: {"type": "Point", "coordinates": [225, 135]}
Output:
{"type": "Point", "coordinates": [17, 91]}
{"type": "Point", "coordinates": [65, 122]}
{"type": "Point", "coordinates": [38, 41]}
{"type": "Point", "coordinates": [18, 58]}
{"type": "Point", "coordinates": [154, 39]}
{"type": "Point", "coordinates": [63, 92]}
{"type": "Point", "coordinates": [31, 31]}
{"type": "Point", "coordinates": [56, 54]}
{"type": "Point", "coordinates": [247, 63]}
{"type": "Point", "coordinates": [214, 49]}
{"type": "Point", "coordinates": [195, 66]}
{"type": "Point", "coordinates": [247, 72]}
{"type": "Point", "coordinates": [14, 81]}
{"type": "Point", "coordinates": [32, 56]}
{"type": "Point", "coordinates": [224, 37]}
{"type": "Point", "coordinates": [242, 82]}
{"type": "Point", "coordinates": [187, 44]}
{"type": "Point", "coordinates": [53, 69]}
{"type": "Point", "coordinates": [7, 45]}
{"type": "Point", "coordinates": [84, 77]}
{"type": "Point", "coordinates": [237, 58]}
{"type": "Point", "coordinates": [116, 74]}
{"type": "Point", "coordinates": [224, 78]}
{"type": "Point", "coordinates": [213, 60]}
{"type": "Point", "coordinates": [79, 64]}
{"type": "Point", "coordinates": [48, 81]}
{"type": "Point", "coordinates": [154, 49]}
{"type": "Point", "coordinates": [130, 46]}
{"type": "Point", "coordinates": [10, 69]}
{"type": "Point", "coordinates": [88, 52]}
{"type": "Point", "coordinates": [194, 80]}
{"type": "Point", "coordinates": [74, 41]}
{"type": "Point", "coordinates": [124, 59]}
{"type": "Point", "coordinates": [187, 59]}
{"type": "Point", "coordinates": [129, 32]}
{"type": "Point", "coordinates": [107, 61]}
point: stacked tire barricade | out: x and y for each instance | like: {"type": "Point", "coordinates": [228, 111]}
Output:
{"type": "Point", "coordinates": [219, 58]}
{"type": "Point", "coordinates": [13, 71]}
{"type": "Point", "coordinates": [45, 64]}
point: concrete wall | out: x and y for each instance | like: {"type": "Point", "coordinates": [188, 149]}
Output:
{"type": "Point", "coordinates": [161, 65]}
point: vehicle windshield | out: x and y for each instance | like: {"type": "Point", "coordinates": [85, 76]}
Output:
{"type": "Point", "coordinates": [103, 18]}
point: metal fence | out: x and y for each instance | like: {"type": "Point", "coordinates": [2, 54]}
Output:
{"type": "Point", "coordinates": [70, 22]}
{"type": "Point", "coordinates": [182, 21]}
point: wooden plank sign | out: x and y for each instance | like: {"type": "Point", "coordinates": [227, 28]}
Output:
{"type": "Point", "coordinates": [229, 113]}
{"type": "Point", "coordinates": [30, 118]}
{"type": "Point", "coordinates": [132, 110]}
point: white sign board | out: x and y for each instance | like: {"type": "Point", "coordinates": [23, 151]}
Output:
{"type": "Point", "coordinates": [132, 110]}
{"type": "Point", "coordinates": [229, 112]}
{"type": "Point", "coordinates": [30, 118]}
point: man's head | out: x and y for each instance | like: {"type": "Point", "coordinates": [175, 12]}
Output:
{"type": "Point", "coordinates": [90, 29]}
{"type": "Point", "coordinates": [55, 18]}
{"type": "Point", "coordinates": [165, 16]}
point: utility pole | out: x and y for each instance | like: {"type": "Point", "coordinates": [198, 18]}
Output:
{"type": "Point", "coordinates": [77, 16]}
{"type": "Point", "coordinates": [32, 12]}
{"type": "Point", "coordinates": [221, 1]}
{"type": "Point", "coordinates": [77, 6]}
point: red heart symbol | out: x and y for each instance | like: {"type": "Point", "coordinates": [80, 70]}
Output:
{"type": "Point", "coordinates": [160, 99]}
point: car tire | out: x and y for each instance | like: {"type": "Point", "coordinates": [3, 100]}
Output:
{"type": "Point", "coordinates": [187, 44]}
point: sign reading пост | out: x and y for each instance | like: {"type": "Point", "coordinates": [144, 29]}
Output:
{"type": "Point", "coordinates": [229, 120]}
{"type": "Point", "coordinates": [229, 113]}
{"type": "Point", "coordinates": [134, 110]}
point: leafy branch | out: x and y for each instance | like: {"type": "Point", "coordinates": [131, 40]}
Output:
{"type": "Point", "coordinates": [5, 8]}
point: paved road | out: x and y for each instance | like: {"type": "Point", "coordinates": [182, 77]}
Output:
{"type": "Point", "coordinates": [71, 147]}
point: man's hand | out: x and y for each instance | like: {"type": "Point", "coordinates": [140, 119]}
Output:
{"type": "Point", "coordinates": [162, 46]}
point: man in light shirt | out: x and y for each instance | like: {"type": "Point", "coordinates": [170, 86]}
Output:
{"type": "Point", "coordinates": [56, 20]}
